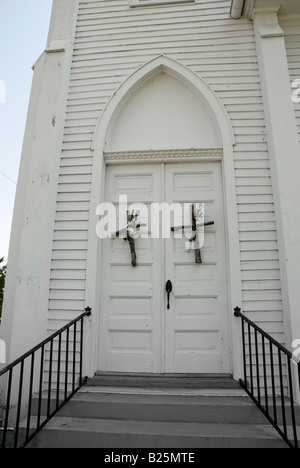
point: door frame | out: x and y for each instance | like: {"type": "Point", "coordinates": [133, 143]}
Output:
{"type": "Point", "coordinates": [101, 158]}
{"type": "Point", "coordinates": [160, 169]}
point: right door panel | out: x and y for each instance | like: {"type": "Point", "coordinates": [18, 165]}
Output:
{"type": "Point", "coordinates": [197, 324]}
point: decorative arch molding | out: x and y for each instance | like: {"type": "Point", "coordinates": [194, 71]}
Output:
{"type": "Point", "coordinates": [212, 154]}
{"type": "Point", "coordinates": [106, 121]}
{"type": "Point", "coordinates": [147, 72]}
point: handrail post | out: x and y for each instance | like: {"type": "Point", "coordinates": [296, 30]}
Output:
{"type": "Point", "coordinates": [298, 383]}
{"type": "Point", "coordinates": [237, 313]}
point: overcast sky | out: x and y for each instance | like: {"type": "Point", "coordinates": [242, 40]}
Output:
{"type": "Point", "coordinates": [24, 28]}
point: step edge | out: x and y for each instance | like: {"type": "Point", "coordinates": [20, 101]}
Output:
{"type": "Point", "coordinates": [258, 432]}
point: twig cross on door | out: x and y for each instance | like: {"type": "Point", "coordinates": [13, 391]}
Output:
{"type": "Point", "coordinates": [129, 233]}
{"type": "Point", "coordinates": [197, 224]}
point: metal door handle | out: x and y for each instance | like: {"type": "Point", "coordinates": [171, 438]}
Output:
{"type": "Point", "coordinates": [169, 289]}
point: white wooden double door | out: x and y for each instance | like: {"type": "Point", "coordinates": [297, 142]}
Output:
{"type": "Point", "coordinates": [137, 331]}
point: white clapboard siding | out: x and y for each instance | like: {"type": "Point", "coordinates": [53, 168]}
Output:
{"type": "Point", "coordinates": [112, 41]}
{"type": "Point", "coordinates": [292, 41]}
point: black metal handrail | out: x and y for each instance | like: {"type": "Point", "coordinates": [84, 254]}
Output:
{"type": "Point", "coordinates": [62, 352]}
{"type": "Point", "coordinates": [269, 390]}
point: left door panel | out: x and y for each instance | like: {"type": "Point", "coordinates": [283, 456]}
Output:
{"type": "Point", "coordinates": [130, 304]}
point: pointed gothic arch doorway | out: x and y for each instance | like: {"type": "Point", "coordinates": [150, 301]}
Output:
{"type": "Point", "coordinates": [110, 144]}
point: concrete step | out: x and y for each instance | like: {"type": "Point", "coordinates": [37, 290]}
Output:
{"type": "Point", "coordinates": [157, 415]}
{"type": "Point", "coordinates": [64, 432]}
{"type": "Point", "coordinates": [160, 408]}
{"type": "Point", "coordinates": [147, 381]}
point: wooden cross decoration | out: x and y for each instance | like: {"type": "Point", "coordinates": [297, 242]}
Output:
{"type": "Point", "coordinates": [128, 234]}
{"type": "Point", "coordinates": [195, 226]}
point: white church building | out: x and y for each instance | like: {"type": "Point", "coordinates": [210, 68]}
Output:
{"type": "Point", "coordinates": [164, 101]}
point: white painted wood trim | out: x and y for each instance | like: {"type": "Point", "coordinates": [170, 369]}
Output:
{"type": "Point", "coordinates": [268, 22]}
{"type": "Point", "coordinates": [57, 46]}
{"type": "Point", "coordinates": [248, 7]}
{"type": "Point", "coordinates": [147, 72]}
{"type": "Point", "coordinates": [214, 154]}
{"type": "Point", "coordinates": [284, 160]}
{"type": "Point", "coordinates": [105, 123]}
{"type": "Point", "coordinates": [265, 10]}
